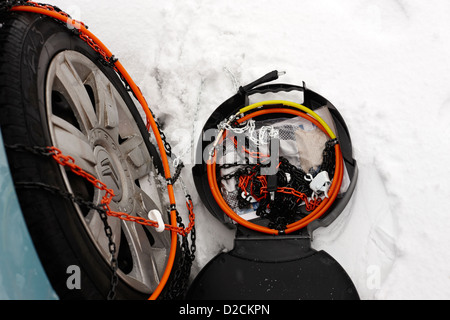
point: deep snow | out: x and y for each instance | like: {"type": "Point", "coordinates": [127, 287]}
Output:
{"type": "Point", "coordinates": [384, 64]}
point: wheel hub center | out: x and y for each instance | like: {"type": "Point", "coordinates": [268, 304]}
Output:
{"type": "Point", "coordinates": [108, 171]}
{"type": "Point", "coordinates": [112, 168]}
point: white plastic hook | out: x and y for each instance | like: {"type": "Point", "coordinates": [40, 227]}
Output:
{"type": "Point", "coordinates": [321, 183]}
{"type": "Point", "coordinates": [248, 197]}
{"type": "Point", "coordinates": [155, 215]}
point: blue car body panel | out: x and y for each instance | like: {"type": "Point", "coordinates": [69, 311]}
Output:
{"type": "Point", "coordinates": [22, 276]}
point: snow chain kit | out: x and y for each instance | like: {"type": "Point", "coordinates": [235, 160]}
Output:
{"type": "Point", "coordinates": [98, 183]}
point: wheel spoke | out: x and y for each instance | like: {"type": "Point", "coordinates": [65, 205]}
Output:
{"type": "Point", "coordinates": [74, 143]}
{"type": "Point", "coordinates": [146, 204]}
{"type": "Point", "coordinates": [133, 148]}
{"type": "Point", "coordinates": [97, 229]}
{"type": "Point", "coordinates": [74, 86]}
{"type": "Point", "coordinates": [107, 114]}
{"type": "Point", "coordinates": [148, 262]}
{"type": "Point", "coordinates": [130, 144]}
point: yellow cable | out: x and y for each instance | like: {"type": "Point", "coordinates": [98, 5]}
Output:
{"type": "Point", "coordinates": [294, 105]}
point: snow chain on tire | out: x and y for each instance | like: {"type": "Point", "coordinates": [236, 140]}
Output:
{"type": "Point", "coordinates": [175, 289]}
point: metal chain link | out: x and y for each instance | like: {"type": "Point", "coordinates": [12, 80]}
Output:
{"type": "Point", "coordinates": [43, 151]}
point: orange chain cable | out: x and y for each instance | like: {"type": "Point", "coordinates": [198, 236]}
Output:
{"type": "Point", "coordinates": [68, 161]}
{"type": "Point", "coordinates": [245, 180]}
{"type": "Point", "coordinates": [100, 48]}
{"type": "Point", "coordinates": [253, 154]}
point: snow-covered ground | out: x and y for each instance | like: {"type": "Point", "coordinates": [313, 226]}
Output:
{"type": "Point", "coordinates": [384, 64]}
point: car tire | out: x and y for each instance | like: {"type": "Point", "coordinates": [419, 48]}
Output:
{"type": "Point", "coordinates": [28, 45]}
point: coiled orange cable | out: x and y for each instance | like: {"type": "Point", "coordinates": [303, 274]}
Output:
{"type": "Point", "coordinates": [318, 212]}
